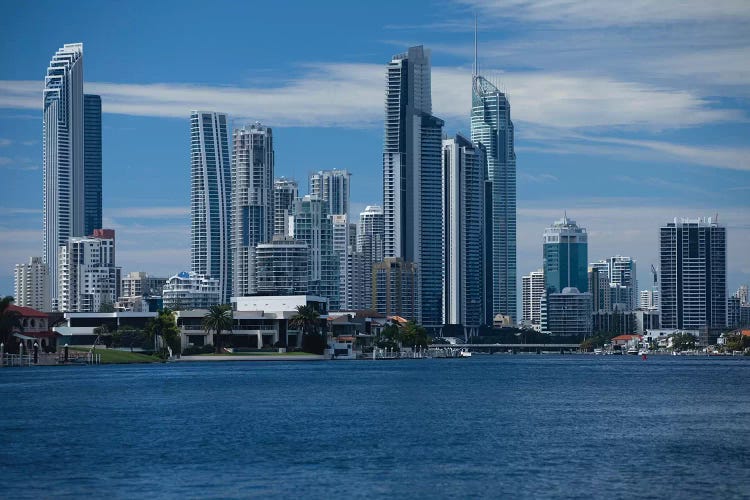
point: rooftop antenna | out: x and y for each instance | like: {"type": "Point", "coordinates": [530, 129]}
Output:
{"type": "Point", "coordinates": [476, 59]}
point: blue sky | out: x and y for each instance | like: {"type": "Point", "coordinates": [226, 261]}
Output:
{"type": "Point", "coordinates": [628, 114]}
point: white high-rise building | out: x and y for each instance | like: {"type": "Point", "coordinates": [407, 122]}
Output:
{"type": "Point", "coordinates": [742, 294]}
{"type": "Point", "coordinates": [341, 237]}
{"type": "Point", "coordinates": [253, 211]}
{"type": "Point", "coordinates": [622, 272]}
{"type": "Point", "coordinates": [88, 275]}
{"type": "Point", "coordinates": [464, 299]}
{"type": "Point", "coordinates": [371, 229]}
{"type": "Point", "coordinates": [412, 177]}
{"type": "Point", "coordinates": [191, 291]}
{"type": "Point", "coordinates": [532, 294]}
{"type": "Point", "coordinates": [32, 285]}
{"type": "Point", "coordinates": [72, 174]}
{"type": "Point", "coordinates": [282, 266]}
{"type": "Point", "coordinates": [332, 186]}
{"type": "Point", "coordinates": [285, 191]}
{"type": "Point", "coordinates": [210, 198]}
{"type": "Point", "coordinates": [649, 299]}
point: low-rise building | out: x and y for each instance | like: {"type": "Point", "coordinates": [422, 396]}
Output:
{"type": "Point", "coordinates": [191, 290]}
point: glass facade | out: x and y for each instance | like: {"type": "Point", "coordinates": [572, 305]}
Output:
{"type": "Point", "coordinates": [92, 162]}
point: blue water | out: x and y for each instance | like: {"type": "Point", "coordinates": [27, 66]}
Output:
{"type": "Point", "coordinates": [488, 426]}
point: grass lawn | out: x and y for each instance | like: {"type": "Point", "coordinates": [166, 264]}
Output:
{"type": "Point", "coordinates": [261, 353]}
{"type": "Point", "coordinates": [111, 356]}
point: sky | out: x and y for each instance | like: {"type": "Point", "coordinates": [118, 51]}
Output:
{"type": "Point", "coordinates": [627, 114]}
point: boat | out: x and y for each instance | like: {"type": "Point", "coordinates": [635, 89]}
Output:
{"type": "Point", "coordinates": [598, 351]}
{"type": "Point", "coordinates": [633, 351]}
{"type": "Point", "coordinates": [464, 353]}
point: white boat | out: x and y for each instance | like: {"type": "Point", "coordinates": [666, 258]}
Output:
{"type": "Point", "coordinates": [598, 351]}
{"type": "Point", "coordinates": [633, 351]}
{"type": "Point", "coordinates": [464, 353]}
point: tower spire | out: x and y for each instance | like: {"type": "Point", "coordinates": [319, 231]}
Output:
{"type": "Point", "coordinates": [476, 60]}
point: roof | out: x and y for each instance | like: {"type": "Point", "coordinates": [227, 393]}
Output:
{"type": "Point", "coordinates": [626, 337]}
{"type": "Point", "coordinates": [398, 319]}
{"type": "Point", "coordinates": [26, 312]}
{"type": "Point", "coordinates": [745, 333]}
{"type": "Point", "coordinates": [37, 335]}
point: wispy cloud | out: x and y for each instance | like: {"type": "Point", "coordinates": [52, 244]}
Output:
{"type": "Point", "coordinates": [149, 212]}
{"type": "Point", "coordinates": [613, 12]}
{"type": "Point", "coordinates": [5, 142]}
{"type": "Point", "coordinates": [537, 178]}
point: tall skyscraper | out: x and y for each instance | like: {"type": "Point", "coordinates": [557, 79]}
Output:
{"type": "Point", "coordinates": [253, 212]}
{"type": "Point", "coordinates": [332, 186]}
{"type": "Point", "coordinates": [492, 127]}
{"type": "Point", "coordinates": [311, 225]}
{"type": "Point", "coordinates": [92, 162]}
{"type": "Point", "coordinates": [285, 191]}
{"type": "Point", "coordinates": [32, 285]}
{"type": "Point", "coordinates": [371, 230]}
{"type": "Point", "coordinates": [340, 235]}
{"type": "Point", "coordinates": [565, 256]}
{"type": "Point", "coordinates": [463, 237]}
{"type": "Point", "coordinates": [210, 199]}
{"type": "Point", "coordinates": [412, 176]}
{"type": "Point", "coordinates": [533, 291]}
{"type": "Point", "coordinates": [71, 141]}
{"type": "Point", "coordinates": [693, 274]}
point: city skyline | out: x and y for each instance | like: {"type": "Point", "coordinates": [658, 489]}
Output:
{"type": "Point", "coordinates": [624, 220]}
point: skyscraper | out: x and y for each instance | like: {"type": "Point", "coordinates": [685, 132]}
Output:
{"type": "Point", "coordinates": [463, 237]}
{"type": "Point", "coordinates": [285, 191]}
{"type": "Point", "coordinates": [332, 186]}
{"type": "Point", "coordinates": [282, 266]}
{"type": "Point", "coordinates": [253, 212]}
{"type": "Point", "coordinates": [533, 291]}
{"type": "Point", "coordinates": [92, 162]}
{"type": "Point", "coordinates": [88, 276]}
{"type": "Point", "coordinates": [371, 230]}
{"type": "Point", "coordinates": [72, 196]}
{"type": "Point", "coordinates": [210, 199]}
{"type": "Point", "coordinates": [341, 236]}
{"type": "Point", "coordinates": [693, 274]}
{"type": "Point", "coordinates": [565, 256]}
{"type": "Point", "coordinates": [311, 225]}
{"type": "Point", "coordinates": [412, 176]}
{"type": "Point", "coordinates": [32, 285]}
{"type": "Point", "coordinates": [492, 127]}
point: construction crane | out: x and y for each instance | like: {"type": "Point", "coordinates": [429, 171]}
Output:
{"type": "Point", "coordinates": [653, 271]}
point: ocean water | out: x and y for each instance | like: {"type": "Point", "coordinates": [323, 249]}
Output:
{"type": "Point", "coordinates": [522, 426]}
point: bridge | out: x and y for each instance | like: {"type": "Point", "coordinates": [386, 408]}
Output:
{"type": "Point", "coordinates": [491, 347]}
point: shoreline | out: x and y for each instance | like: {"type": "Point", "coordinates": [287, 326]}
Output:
{"type": "Point", "coordinates": [251, 357]}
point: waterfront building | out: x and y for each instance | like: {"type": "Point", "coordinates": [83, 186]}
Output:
{"type": "Point", "coordinates": [80, 328]}
{"type": "Point", "coordinates": [88, 277]}
{"type": "Point", "coordinates": [311, 225]}
{"type": "Point", "coordinates": [646, 319]}
{"type": "Point", "coordinates": [282, 266]}
{"type": "Point", "coordinates": [210, 198]}
{"type": "Point", "coordinates": [71, 142]}
{"type": "Point", "coordinates": [285, 191]}
{"type": "Point", "coordinates": [412, 176]}
{"type": "Point", "coordinates": [464, 229]}
{"type": "Point", "coordinates": [332, 186]}
{"type": "Point", "coordinates": [34, 330]}
{"type": "Point", "coordinates": [32, 285]}
{"type": "Point", "coordinates": [253, 210]}
{"type": "Point", "coordinates": [191, 291]}
{"type": "Point", "coordinates": [395, 288]}
{"type": "Point", "coordinates": [565, 256]}
{"type": "Point", "coordinates": [491, 126]}
{"type": "Point", "coordinates": [532, 293]}
{"type": "Point", "coordinates": [693, 274]}
{"type": "Point", "coordinates": [569, 313]}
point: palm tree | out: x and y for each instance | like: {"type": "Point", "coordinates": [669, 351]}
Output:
{"type": "Point", "coordinates": [10, 320]}
{"type": "Point", "coordinates": [306, 319]}
{"type": "Point", "coordinates": [218, 319]}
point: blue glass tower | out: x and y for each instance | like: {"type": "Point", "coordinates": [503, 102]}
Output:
{"type": "Point", "coordinates": [565, 257]}
{"type": "Point", "coordinates": [92, 162]}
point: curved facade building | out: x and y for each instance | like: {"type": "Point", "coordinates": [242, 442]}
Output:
{"type": "Point", "coordinates": [492, 127]}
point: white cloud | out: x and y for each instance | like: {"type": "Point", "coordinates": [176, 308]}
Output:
{"type": "Point", "coordinates": [5, 142]}
{"type": "Point", "coordinates": [613, 12]}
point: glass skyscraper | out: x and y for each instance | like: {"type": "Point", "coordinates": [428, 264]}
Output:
{"type": "Point", "coordinates": [253, 210]}
{"type": "Point", "coordinates": [492, 127]}
{"type": "Point", "coordinates": [565, 257]}
{"type": "Point", "coordinates": [210, 199]}
{"type": "Point", "coordinates": [92, 162]}
{"type": "Point", "coordinates": [332, 186]}
{"type": "Point", "coordinates": [412, 177]}
{"type": "Point", "coordinates": [72, 163]}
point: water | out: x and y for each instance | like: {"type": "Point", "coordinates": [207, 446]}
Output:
{"type": "Point", "coordinates": [488, 426]}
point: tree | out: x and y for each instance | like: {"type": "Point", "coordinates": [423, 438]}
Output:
{"type": "Point", "coordinates": [683, 341]}
{"type": "Point", "coordinates": [106, 307]}
{"type": "Point", "coordinates": [128, 336]}
{"type": "Point", "coordinates": [414, 335]}
{"type": "Point", "coordinates": [218, 319]}
{"type": "Point", "coordinates": [10, 321]}
{"type": "Point", "coordinates": [307, 319]}
{"type": "Point", "coordinates": [164, 325]}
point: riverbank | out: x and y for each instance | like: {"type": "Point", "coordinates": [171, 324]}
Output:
{"type": "Point", "coordinates": [252, 357]}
